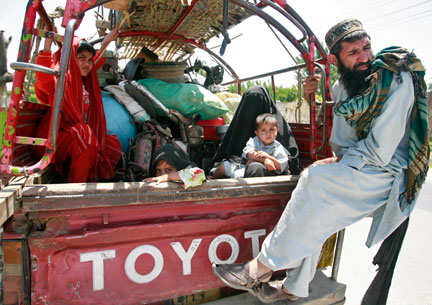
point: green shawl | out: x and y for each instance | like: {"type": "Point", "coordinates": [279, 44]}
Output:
{"type": "Point", "coordinates": [360, 111]}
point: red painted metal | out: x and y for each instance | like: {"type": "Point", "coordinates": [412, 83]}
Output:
{"type": "Point", "coordinates": [312, 107]}
{"type": "Point", "coordinates": [209, 127]}
{"type": "Point", "coordinates": [89, 4]}
{"type": "Point", "coordinates": [72, 10]}
{"type": "Point", "coordinates": [10, 137]}
{"type": "Point", "coordinates": [63, 274]}
{"type": "Point", "coordinates": [75, 9]}
{"type": "Point", "coordinates": [17, 86]}
{"type": "Point", "coordinates": [44, 16]}
{"type": "Point", "coordinates": [282, 3]}
{"type": "Point", "coordinates": [56, 37]}
{"type": "Point", "coordinates": [329, 118]}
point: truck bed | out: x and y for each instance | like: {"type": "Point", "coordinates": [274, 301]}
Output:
{"type": "Point", "coordinates": [96, 242]}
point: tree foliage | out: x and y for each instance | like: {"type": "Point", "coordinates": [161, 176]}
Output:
{"type": "Point", "coordinates": [290, 94]}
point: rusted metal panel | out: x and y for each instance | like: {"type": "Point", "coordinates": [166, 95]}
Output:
{"type": "Point", "coordinates": [12, 286]}
{"type": "Point", "coordinates": [166, 255]}
{"type": "Point", "coordinates": [55, 223]}
{"type": "Point", "coordinates": [15, 271]}
{"type": "Point", "coordinates": [98, 195]}
{"type": "Point", "coordinates": [12, 252]}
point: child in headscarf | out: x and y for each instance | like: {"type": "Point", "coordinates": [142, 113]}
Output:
{"type": "Point", "coordinates": [82, 138]}
{"type": "Point", "coordinates": [170, 163]}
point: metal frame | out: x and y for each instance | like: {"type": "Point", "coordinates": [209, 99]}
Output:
{"type": "Point", "coordinates": [10, 138]}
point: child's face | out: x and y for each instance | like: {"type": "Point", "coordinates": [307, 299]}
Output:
{"type": "Point", "coordinates": [267, 132]}
{"type": "Point", "coordinates": [85, 62]}
{"type": "Point", "coordinates": [163, 168]}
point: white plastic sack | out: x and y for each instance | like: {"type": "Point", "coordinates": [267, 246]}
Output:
{"type": "Point", "coordinates": [135, 109]}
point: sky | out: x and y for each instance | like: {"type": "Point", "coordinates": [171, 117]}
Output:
{"type": "Point", "coordinates": [404, 23]}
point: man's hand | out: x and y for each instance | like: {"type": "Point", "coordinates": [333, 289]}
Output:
{"type": "Point", "coordinates": [328, 160]}
{"type": "Point", "coordinates": [310, 86]}
{"type": "Point", "coordinates": [269, 164]}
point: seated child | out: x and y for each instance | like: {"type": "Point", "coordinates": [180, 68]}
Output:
{"type": "Point", "coordinates": [255, 100]}
{"type": "Point", "coordinates": [262, 156]}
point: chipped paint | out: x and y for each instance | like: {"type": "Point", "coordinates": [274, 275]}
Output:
{"type": "Point", "coordinates": [11, 130]}
{"type": "Point", "coordinates": [67, 267]}
{"type": "Point", "coordinates": [27, 37]}
{"type": "Point", "coordinates": [76, 289]}
{"type": "Point", "coordinates": [17, 90]}
{"type": "Point", "coordinates": [34, 263]}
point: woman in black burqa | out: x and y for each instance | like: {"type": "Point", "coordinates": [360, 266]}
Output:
{"type": "Point", "coordinates": [255, 100]}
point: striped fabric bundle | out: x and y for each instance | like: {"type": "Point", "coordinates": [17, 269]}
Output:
{"type": "Point", "coordinates": [360, 111]}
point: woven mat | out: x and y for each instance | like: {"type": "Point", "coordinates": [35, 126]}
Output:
{"type": "Point", "coordinates": [160, 16]}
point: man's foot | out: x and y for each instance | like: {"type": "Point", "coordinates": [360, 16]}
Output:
{"type": "Point", "coordinates": [242, 276]}
{"type": "Point", "coordinates": [273, 291]}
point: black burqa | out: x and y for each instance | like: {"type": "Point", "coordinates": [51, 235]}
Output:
{"type": "Point", "coordinates": [255, 100]}
{"type": "Point", "coordinates": [172, 154]}
{"type": "Point", "coordinates": [386, 259]}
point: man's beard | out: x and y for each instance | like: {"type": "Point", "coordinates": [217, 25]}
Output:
{"type": "Point", "coordinates": [354, 80]}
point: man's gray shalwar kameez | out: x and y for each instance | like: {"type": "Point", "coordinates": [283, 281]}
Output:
{"type": "Point", "coordinates": [367, 181]}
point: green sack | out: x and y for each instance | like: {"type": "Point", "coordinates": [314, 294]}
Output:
{"type": "Point", "coordinates": [186, 98]}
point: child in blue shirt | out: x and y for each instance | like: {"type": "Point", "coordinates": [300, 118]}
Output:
{"type": "Point", "coordinates": [263, 155]}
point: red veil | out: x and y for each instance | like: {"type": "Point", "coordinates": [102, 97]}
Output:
{"type": "Point", "coordinates": [86, 145]}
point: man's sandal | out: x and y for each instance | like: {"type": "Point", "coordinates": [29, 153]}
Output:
{"type": "Point", "coordinates": [237, 276]}
{"type": "Point", "coordinates": [273, 291]}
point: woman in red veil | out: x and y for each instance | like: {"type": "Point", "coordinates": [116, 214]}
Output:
{"type": "Point", "coordinates": [82, 139]}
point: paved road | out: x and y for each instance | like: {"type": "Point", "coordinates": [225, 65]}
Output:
{"type": "Point", "coordinates": [412, 281]}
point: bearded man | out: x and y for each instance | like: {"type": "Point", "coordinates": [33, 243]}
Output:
{"type": "Point", "coordinates": [379, 139]}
